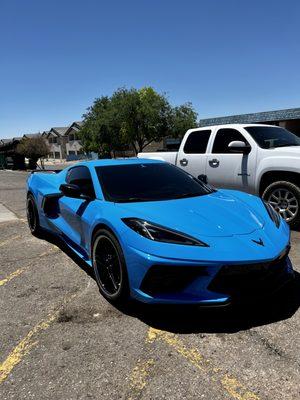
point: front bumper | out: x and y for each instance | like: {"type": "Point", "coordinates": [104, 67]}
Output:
{"type": "Point", "coordinates": [159, 280]}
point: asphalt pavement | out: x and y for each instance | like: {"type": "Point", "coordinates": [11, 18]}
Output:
{"type": "Point", "coordinates": [61, 340]}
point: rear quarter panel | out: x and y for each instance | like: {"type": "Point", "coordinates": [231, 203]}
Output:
{"type": "Point", "coordinates": [41, 184]}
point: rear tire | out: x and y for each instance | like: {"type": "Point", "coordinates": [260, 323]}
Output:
{"type": "Point", "coordinates": [33, 216]}
{"type": "Point", "coordinates": [284, 197]}
{"type": "Point", "coordinates": [110, 268]}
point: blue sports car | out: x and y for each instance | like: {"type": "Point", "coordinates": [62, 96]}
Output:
{"type": "Point", "coordinates": [154, 233]}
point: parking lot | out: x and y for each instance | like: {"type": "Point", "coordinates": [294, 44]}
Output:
{"type": "Point", "coordinates": [61, 340]}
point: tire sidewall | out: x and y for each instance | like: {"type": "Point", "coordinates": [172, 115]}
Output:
{"type": "Point", "coordinates": [123, 292]}
{"type": "Point", "coordinates": [295, 222]}
{"type": "Point", "coordinates": [30, 200]}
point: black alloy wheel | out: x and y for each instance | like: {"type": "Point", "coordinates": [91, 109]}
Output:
{"type": "Point", "coordinates": [33, 216]}
{"type": "Point", "coordinates": [110, 267]}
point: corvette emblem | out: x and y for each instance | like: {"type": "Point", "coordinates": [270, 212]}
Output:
{"type": "Point", "coordinates": [260, 242]}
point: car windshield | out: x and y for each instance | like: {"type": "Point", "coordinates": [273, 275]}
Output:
{"type": "Point", "coordinates": [268, 137]}
{"type": "Point", "coordinates": [148, 182]}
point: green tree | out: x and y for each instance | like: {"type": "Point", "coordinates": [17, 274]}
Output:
{"type": "Point", "coordinates": [143, 115]}
{"type": "Point", "coordinates": [34, 148]}
{"type": "Point", "coordinates": [184, 118]}
{"type": "Point", "coordinates": [133, 117]}
{"type": "Point", "coordinates": [100, 132]}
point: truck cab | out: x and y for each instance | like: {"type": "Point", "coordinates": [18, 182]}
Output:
{"type": "Point", "coordinates": [259, 159]}
{"type": "Point", "coordinates": [209, 154]}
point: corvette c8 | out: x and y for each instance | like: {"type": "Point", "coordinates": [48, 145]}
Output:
{"type": "Point", "coordinates": [156, 234]}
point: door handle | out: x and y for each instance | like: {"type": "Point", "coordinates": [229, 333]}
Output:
{"type": "Point", "coordinates": [184, 162]}
{"type": "Point", "coordinates": [214, 163]}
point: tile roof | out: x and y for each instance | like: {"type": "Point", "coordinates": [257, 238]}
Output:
{"type": "Point", "coordinates": [32, 135]}
{"type": "Point", "coordinates": [6, 140]}
{"type": "Point", "coordinates": [267, 116]}
{"type": "Point", "coordinates": [74, 126]}
{"type": "Point", "coordinates": [59, 130]}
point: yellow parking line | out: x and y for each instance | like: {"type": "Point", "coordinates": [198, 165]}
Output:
{"type": "Point", "coordinates": [24, 347]}
{"type": "Point", "coordinates": [140, 373]}
{"type": "Point", "coordinates": [22, 270]}
{"type": "Point", "coordinates": [230, 384]}
{"type": "Point", "coordinates": [12, 276]}
{"type": "Point", "coordinates": [26, 344]}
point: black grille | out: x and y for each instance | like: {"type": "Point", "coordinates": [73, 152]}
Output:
{"type": "Point", "coordinates": [241, 280]}
{"type": "Point", "coordinates": [170, 279]}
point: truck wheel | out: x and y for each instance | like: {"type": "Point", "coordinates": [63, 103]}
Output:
{"type": "Point", "coordinates": [284, 197]}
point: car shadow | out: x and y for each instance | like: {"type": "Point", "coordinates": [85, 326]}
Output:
{"type": "Point", "coordinates": [229, 319]}
{"type": "Point", "coordinates": [195, 319]}
{"type": "Point", "coordinates": [56, 241]}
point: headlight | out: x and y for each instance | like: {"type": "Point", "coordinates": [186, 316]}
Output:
{"type": "Point", "coordinates": [159, 233]}
{"type": "Point", "coordinates": [275, 217]}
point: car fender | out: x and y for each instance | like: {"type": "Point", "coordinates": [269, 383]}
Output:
{"type": "Point", "coordinates": [276, 163]}
{"type": "Point", "coordinates": [101, 221]}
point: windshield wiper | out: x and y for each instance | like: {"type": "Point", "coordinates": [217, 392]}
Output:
{"type": "Point", "coordinates": [185, 195]}
{"type": "Point", "coordinates": [160, 198]}
{"type": "Point", "coordinates": [133, 199]}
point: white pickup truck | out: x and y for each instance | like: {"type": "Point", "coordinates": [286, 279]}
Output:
{"type": "Point", "coordinates": [258, 159]}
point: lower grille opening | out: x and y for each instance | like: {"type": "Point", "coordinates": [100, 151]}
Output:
{"type": "Point", "coordinates": [241, 280]}
{"type": "Point", "coordinates": [170, 279]}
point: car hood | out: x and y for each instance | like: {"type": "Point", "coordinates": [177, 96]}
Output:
{"type": "Point", "coordinates": [288, 151]}
{"type": "Point", "coordinates": [216, 214]}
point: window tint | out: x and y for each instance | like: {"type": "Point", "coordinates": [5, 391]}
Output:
{"type": "Point", "coordinates": [81, 177]}
{"type": "Point", "coordinates": [269, 137]}
{"type": "Point", "coordinates": [148, 182]}
{"type": "Point", "coordinates": [197, 142]}
{"type": "Point", "coordinates": [224, 137]}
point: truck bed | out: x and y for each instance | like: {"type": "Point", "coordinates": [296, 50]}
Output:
{"type": "Point", "coordinates": [168, 156]}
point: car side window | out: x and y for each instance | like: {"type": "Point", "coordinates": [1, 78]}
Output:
{"type": "Point", "coordinates": [197, 142]}
{"type": "Point", "coordinates": [81, 177]}
{"type": "Point", "coordinates": [225, 136]}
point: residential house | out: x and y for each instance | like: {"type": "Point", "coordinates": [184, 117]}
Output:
{"type": "Point", "coordinates": [288, 118]}
{"type": "Point", "coordinates": [9, 157]}
{"type": "Point", "coordinates": [72, 140]}
{"type": "Point", "coordinates": [57, 142]}
{"type": "Point", "coordinates": [32, 135]}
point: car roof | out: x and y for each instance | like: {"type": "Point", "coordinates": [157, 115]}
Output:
{"type": "Point", "coordinates": [231, 126]}
{"type": "Point", "coordinates": [117, 161]}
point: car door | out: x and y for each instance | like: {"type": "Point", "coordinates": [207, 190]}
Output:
{"type": "Point", "coordinates": [72, 210]}
{"type": "Point", "coordinates": [191, 156]}
{"type": "Point", "coordinates": [225, 169]}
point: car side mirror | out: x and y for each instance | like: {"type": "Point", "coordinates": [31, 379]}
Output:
{"type": "Point", "coordinates": [74, 191]}
{"type": "Point", "coordinates": [237, 146]}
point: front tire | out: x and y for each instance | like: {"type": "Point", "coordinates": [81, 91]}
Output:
{"type": "Point", "coordinates": [110, 267]}
{"type": "Point", "coordinates": [33, 216]}
{"type": "Point", "coordinates": [284, 197]}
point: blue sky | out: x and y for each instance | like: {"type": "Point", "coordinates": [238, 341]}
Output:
{"type": "Point", "coordinates": [226, 57]}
